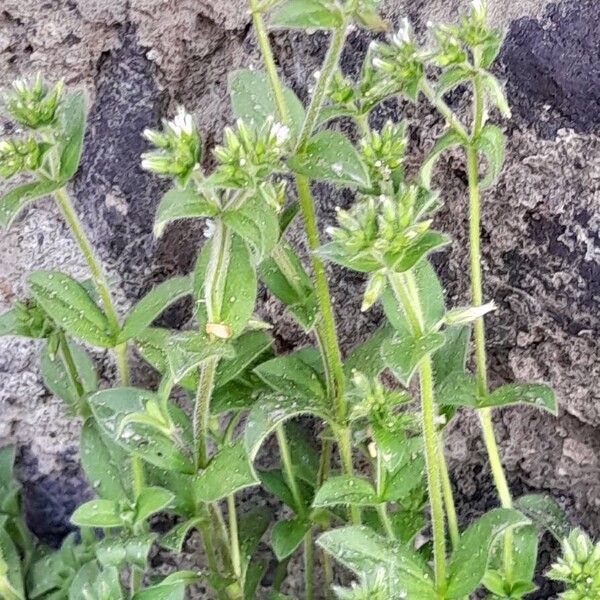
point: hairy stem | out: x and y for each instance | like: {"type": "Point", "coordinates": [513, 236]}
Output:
{"type": "Point", "coordinates": [448, 496]}
{"type": "Point", "coordinates": [98, 277]}
{"type": "Point", "coordinates": [382, 508]}
{"type": "Point", "coordinates": [327, 333]}
{"type": "Point", "coordinates": [234, 542]}
{"type": "Point", "coordinates": [69, 362]}
{"type": "Point", "coordinates": [201, 418]}
{"type": "Point", "coordinates": [406, 292]}
{"type": "Point", "coordinates": [485, 415]}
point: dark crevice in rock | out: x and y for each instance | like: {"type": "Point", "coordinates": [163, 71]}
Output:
{"type": "Point", "coordinates": [555, 63]}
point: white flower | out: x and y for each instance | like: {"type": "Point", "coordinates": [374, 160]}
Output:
{"type": "Point", "coordinates": [479, 8]}
{"type": "Point", "coordinates": [183, 123]}
{"type": "Point", "coordinates": [403, 35]}
{"type": "Point", "coordinates": [461, 316]}
{"type": "Point", "coordinates": [281, 133]}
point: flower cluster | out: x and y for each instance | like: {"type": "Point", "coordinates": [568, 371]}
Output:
{"type": "Point", "coordinates": [249, 155]}
{"type": "Point", "coordinates": [399, 65]}
{"type": "Point", "coordinates": [179, 148]}
{"type": "Point", "coordinates": [33, 104]}
{"type": "Point", "coordinates": [31, 321]}
{"type": "Point", "coordinates": [380, 232]}
{"type": "Point", "coordinates": [473, 33]}
{"type": "Point", "coordinates": [383, 151]}
{"type": "Point", "coordinates": [341, 92]}
{"type": "Point", "coordinates": [578, 568]}
{"type": "Point", "coordinates": [19, 156]}
{"type": "Point", "coordinates": [371, 400]}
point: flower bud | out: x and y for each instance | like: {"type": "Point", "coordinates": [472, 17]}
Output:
{"type": "Point", "coordinates": [383, 151]}
{"type": "Point", "coordinates": [178, 148]}
{"type": "Point", "coordinates": [32, 104]}
{"type": "Point", "coordinates": [249, 156]}
{"type": "Point", "coordinates": [375, 288]}
{"type": "Point", "coordinates": [19, 156]}
{"type": "Point", "coordinates": [462, 316]}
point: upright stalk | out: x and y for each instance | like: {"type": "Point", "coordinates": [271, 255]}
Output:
{"type": "Point", "coordinates": [326, 333]}
{"type": "Point", "coordinates": [406, 293]}
{"type": "Point", "coordinates": [120, 351]}
{"type": "Point", "coordinates": [485, 415]}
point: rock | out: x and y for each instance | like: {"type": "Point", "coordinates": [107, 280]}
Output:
{"type": "Point", "coordinates": [139, 59]}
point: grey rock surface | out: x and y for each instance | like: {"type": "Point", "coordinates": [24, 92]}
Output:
{"type": "Point", "coordinates": [139, 59]}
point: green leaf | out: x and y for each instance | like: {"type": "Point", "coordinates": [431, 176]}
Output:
{"type": "Point", "coordinates": [536, 394]}
{"type": "Point", "coordinates": [227, 473]}
{"type": "Point", "coordinates": [58, 380]}
{"type": "Point", "coordinates": [15, 199]}
{"type": "Point", "coordinates": [366, 357]}
{"type": "Point", "coordinates": [458, 389]}
{"type": "Point", "coordinates": [288, 535]}
{"type": "Point", "coordinates": [174, 538]}
{"type": "Point", "coordinates": [178, 204]}
{"type": "Point", "coordinates": [335, 252]}
{"type": "Point", "coordinates": [347, 490]}
{"type": "Point", "coordinates": [186, 350]}
{"type": "Point", "coordinates": [11, 575]}
{"type": "Point", "coordinates": [253, 524]}
{"type": "Point", "coordinates": [170, 588]}
{"type": "Point", "coordinates": [110, 407]}
{"type": "Point", "coordinates": [448, 140]}
{"type": "Point", "coordinates": [253, 100]}
{"type": "Point", "coordinates": [288, 281]}
{"type": "Point", "coordinates": [469, 561]}
{"type": "Point", "coordinates": [405, 479]}
{"type": "Point", "coordinates": [452, 77]}
{"type": "Point", "coordinates": [429, 242]}
{"type": "Point", "coordinates": [9, 323]}
{"type": "Point", "coordinates": [73, 117]}
{"type": "Point", "coordinates": [257, 223]}
{"type": "Point", "coordinates": [294, 374]}
{"type": "Point", "coordinates": [93, 583]}
{"type": "Point", "coordinates": [403, 355]}
{"type": "Point", "coordinates": [330, 156]}
{"type": "Point", "coordinates": [431, 295]}
{"type": "Point", "coordinates": [491, 48]}
{"type": "Point", "coordinates": [150, 501]}
{"type": "Point", "coordinates": [239, 290]}
{"type": "Point", "coordinates": [272, 410]}
{"type": "Point", "coordinates": [524, 559]}
{"type": "Point", "coordinates": [153, 304]}
{"type": "Point", "coordinates": [119, 552]}
{"type": "Point", "coordinates": [363, 551]}
{"type": "Point", "coordinates": [72, 307]}
{"type": "Point", "coordinates": [546, 514]}
{"type": "Point", "coordinates": [452, 357]}
{"type": "Point", "coordinates": [274, 482]}
{"type": "Point", "coordinates": [496, 95]}
{"type": "Point", "coordinates": [235, 396]}
{"type": "Point", "coordinates": [396, 450]}
{"type": "Point", "coordinates": [305, 14]}
{"type": "Point", "coordinates": [247, 349]}
{"type": "Point", "coordinates": [492, 144]}
{"type": "Point", "coordinates": [102, 462]}
{"type": "Point", "coordinates": [306, 457]}
{"type": "Point", "coordinates": [254, 575]}
{"type": "Point", "coordinates": [98, 513]}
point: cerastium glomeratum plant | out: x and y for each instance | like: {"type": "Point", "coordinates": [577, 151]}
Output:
{"type": "Point", "coordinates": [393, 524]}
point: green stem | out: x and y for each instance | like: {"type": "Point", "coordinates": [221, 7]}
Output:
{"type": "Point", "coordinates": [98, 277]}
{"type": "Point", "coordinates": [330, 64]}
{"type": "Point", "coordinates": [309, 566]}
{"type": "Point", "coordinates": [485, 415]}
{"type": "Point", "coordinates": [382, 508]}
{"type": "Point", "coordinates": [448, 496]}
{"type": "Point", "coordinates": [70, 365]}
{"type": "Point", "coordinates": [290, 477]}
{"type": "Point", "coordinates": [234, 542]}
{"type": "Point", "coordinates": [201, 417]}
{"type": "Point", "coordinates": [406, 292]}
{"type": "Point", "coordinates": [444, 110]}
{"type": "Point", "coordinates": [120, 352]}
